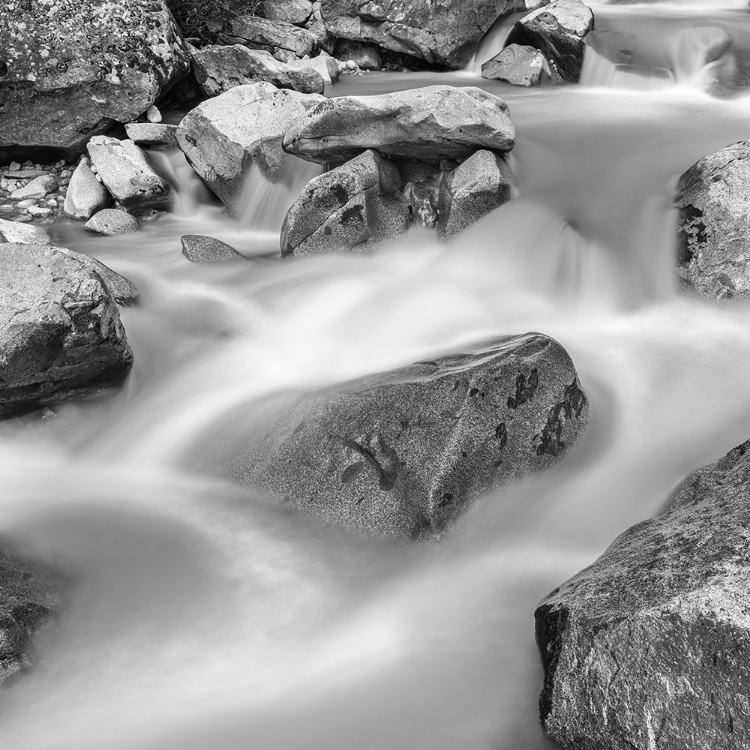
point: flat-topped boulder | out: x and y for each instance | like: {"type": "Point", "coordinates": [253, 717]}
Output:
{"type": "Point", "coordinates": [219, 68]}
{"type": "Point", "coordinates": [558, 32]}
{"type": "Point", "coordinates": [276, 37]}
{"type": "Point", "coordinates": [713, 199]}
{"type": "Point", "coordinates": [431, 123]}
{"type": "Point", "coordinates": [402, 453]}
{"type": "Point", "coordinates": [69, 70]}
{"type": "Point", "coordinates": [347, 208]}
{"type": "Point", "coordinates": [60, 330]}
{"type": "Point", "coordinates": [224, 136]}
{"type": "Point", "coordinates": [649, 646]}
{"type": "Point", "coordinates": [446, 33]}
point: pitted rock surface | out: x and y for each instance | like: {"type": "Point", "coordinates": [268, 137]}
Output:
{"type": "Point", "coordinates": [404, 452]}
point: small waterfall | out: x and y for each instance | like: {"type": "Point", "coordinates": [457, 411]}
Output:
{"type": "Point", "coordinates": [492, 43]}
{"type": "Point", "coordinates": [697, 55]}
{"type": "Point", "coordinates": [190, 191]}
{"type": "Point", "coordinates": [599, 72]}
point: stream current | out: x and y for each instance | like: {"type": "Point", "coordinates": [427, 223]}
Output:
{"type": "Point", "coordinates": [203, 616]}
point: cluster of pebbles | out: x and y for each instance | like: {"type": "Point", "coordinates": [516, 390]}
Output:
{"type": "Point", "coordinates": [33, 192]}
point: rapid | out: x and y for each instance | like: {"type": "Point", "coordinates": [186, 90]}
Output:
{"type": "Point", "coordinates": [202, 615]}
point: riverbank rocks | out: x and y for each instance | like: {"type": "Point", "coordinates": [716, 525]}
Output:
{"type": "Point", "coordinates": [477, 186]}
{"type": "Point", "coordinates": [446, 33]}
{"type": "Point", "coordinates": [558, 32]}
{"type": "Point", "coordinates": [111, 222]}
{"type": "Point", "coordinates": [220, 68]}
{"type": "Point", "coordinates": [404, 452]}
{"type": "Point", "coordinates": [199, 248]}
{"type": "Point", "coordinates": [327, 67]}
{"type": "Point", "coordinates": [126, 173]}
{"type": "Point", "coordinates": [71, 68]}
{"type": "Point", "coordinates": [86, 195]}
{"type": "Point", "coordinates": [650, 645]}
{"type": "Point", "coordinates": [520, 66]}
{"type": "Point", "coordinates": [30, 595]}
{"type": "Point", "coordinates": [60, 331]}
{"type": "Point", "coordinates": [224, 136]}
{"type": "Point", "coordinates": [714, 224]}
{"type": "Point", "coordinates": [430, 123]}
{"type": "Point", "coordinates": [347, 208]}
{"type": "Point", "coordinates": [25, 234]}
{"type": "Point", "coordinates": [283, 40]}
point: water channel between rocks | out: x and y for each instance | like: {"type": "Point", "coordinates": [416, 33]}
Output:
{"type": "Point", "coordinates": [207, 618]}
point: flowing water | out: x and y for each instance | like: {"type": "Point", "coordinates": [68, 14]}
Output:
{"type": "Point", "coordinates": [203, 616]}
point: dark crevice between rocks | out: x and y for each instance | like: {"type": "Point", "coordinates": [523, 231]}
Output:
{"type": "Point", "coordinates": [550, 624]}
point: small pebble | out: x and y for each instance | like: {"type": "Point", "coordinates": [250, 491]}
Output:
{"type": "Point", "coordinates": [153, 114]}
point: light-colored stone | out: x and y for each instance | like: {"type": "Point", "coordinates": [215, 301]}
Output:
{"type": "Point", "coordinates": [521, 66]}
{"type": "Point", "coordinates": [431, 123]}
{"type": "Point", "coordinates": [16, 232]}
{"type": "Point", "coordinates": [157, 135]}
{"type": "Point", "coordinates": [153, 115]}
{"type": "Point", "coordinates": [112, 221]}
{"type": "Point", "coordinates": [327, 67]}
{"type": "Point", "coordinates": [273, 36]}
{"type": "Point", "coordinates": [296, 12]}
{"type": "Point", "coordinates": [201, 249]}
{"type": "Point", "coordinates": [85, 195]}
{"type": "Point", "coordinates": [36, 188]}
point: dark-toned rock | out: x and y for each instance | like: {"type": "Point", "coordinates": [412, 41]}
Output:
{"type": "Point", "coordinates": [649, 646]}
{"type": "Point", "coordinates": [126, 173]}
{"type": "Point", "coordinates": [404, 452]}
{"type": "Point", "coordinates": [363, 55]}
{"type": "Point", "coordinates": [30, 595]}
{"type": "Point", "coordinates": [272, 36]}
{"type": "Point", "coordinates": [85, 195]}
{"type": "Point", "coordinates": [201, 249]}
{"type": "Point", "coordinates": [60, 331]}
{"type": "Point", "coordinates": [558, 31]}
{"type": "Point", "coordinates": [479, 185]}
{"type": "Point", "coordinates": [69, 70]}
{"type": "Point", "coordinates": [349, 207]}
{"type": "Point", "coordinates": [296, 12]}
{"type": "Point", "coordinates": [154, 134]}
{"type": "Point", "coordinates": [521, 66]}
{"type": "Point", "coordinates": [431, 123]}
{"type": "Point", "coordinates": [447, 33]}
{"type": "Point", "coordinates": [220, 68]}
{"type": "Point", "coordinates": [111, 222]}
{"type": "Point", "coordinates": [224, 136]}
{"type": "Point", "coordinates": [714, 226]}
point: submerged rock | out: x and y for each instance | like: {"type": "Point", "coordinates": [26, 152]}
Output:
{"type": "Point", "coordinates": [60, 331]}
{"type": "Point", "coordinates": [128, 176]}
{"type": "Point", "coordinates": [69, 70]}
{"type": "Point", "coordinates": [201, 249]}
{"type": "Point", "coordinates": [649, 646]}
{"type": "Point", "coordinates": [112, 221]}
{"type": "Point", "coordinates": [357, 203]}
{"type": "Point", "coordinates": [714, 225]}
{"type": "Point", "coordinates": [85, 195]}
{"type": "Point", "coordinates": [557, 31]}
{"type": "Point", "coordinates": [30, 595]}
{"type": "Point", "coordinates": [404, 452]}
{"type": "Point", "coordinates": [477, 186]}
{"type": "Point", "coordinates": [447, 33]}
{"type": "Point", "coordinates": [521, 66]}
{"type": "Point", "coordinates": [220, 68]}
{"type": "Point", "coordinates": [272, 36]}
{"type": "Point", "coordinates": [224, 136]}
{"type": "Point", "coordinates": [430, 123]}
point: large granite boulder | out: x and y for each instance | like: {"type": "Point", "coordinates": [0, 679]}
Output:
{"type": "Point", "coordinates": [558, 31]}
{"type": "Point", "coordinates": [219, 68]}
{"type": "Point", "coordinates": [477, 186]}
{"type": "Point", "coordinates": [60, 330]}
{"type": "Point", "coordinates": [446, 32]}
{"type": "Point", "coordinates": [649, 646]}
{"type": "Point", "coordinates": [713, 199]}
{"type": "Point", "coordinates": [430, 123]}
{"type": "Point", "coordinates": [128, 176]}
{"type": "Point", "coordinates": [404, 452]}
{"type": "Point", "coordinates": [69, 70]}
{"type": "Point", "coordinates": [224, 136]}
{"type": "Point", "coordinates": [30, 595]}
{"type": "Point", "coordinates": [277, 37]}
{"type": "Point", "coordinates": [520, 66]}
{"type": "Point", "coordinates": [347, 208]}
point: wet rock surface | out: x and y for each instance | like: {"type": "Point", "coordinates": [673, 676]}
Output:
{"type": "Point", "coordinates": [60, 331]}
{"type": "Point", "coordinates": [650, 645]}
{"type": "Point", "coordinates": [714, 224]}
{"type": "Point", "coordinates": [63, 80]}
{"type": "Point", "coordinates": [558, 32]}
{"type": "Point", "coordinates": [404, 452]}
{"type": "Point", "coordinates": [520, 66]}
{"type": "Point", "coordinates": [346, 208]}
{"type": "Point", "coordinates": [30, 595]}
{"type": "Point", "coordinates": [430, 123]}
{"type": "Point", "coordinates": [202, 249]}
{"type": "Point", "coordinates": [224, 136]}
{"type": "Point", "coordinates": [220, 68]}
{"type": "Point", "coordinates": [111, 222]}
